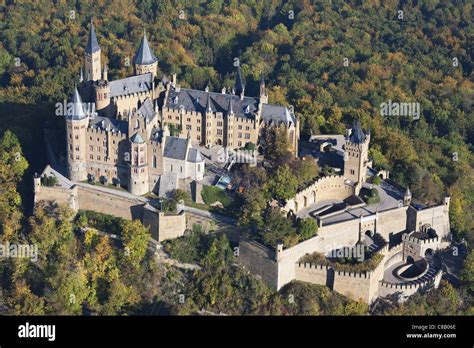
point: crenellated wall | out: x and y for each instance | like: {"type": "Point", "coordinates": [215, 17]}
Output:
{"type": "Point", "coordinates": [328, 187]}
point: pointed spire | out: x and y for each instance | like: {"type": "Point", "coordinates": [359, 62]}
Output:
{"type": "Point", "coordinates": [81, 76]}
{"type": "Point", "coordinates": [407, 192]}
{"type": "Point", "coordinates": [231, 107]}
{"type": "Point", "coordinates": [239, 84]}
{"type": "Point", "coordinates": [92, 44]}
{"type": "Point", "coordinates": [208, 104]}
{"type": "Point", "coordinates": [75, 109]}
{"type": "Point", "coordinates": [357, 135]}
{"type": "Point", "coordinates": [144, 54]}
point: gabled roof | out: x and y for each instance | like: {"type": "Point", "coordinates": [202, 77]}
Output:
{"type": "Point", "coordinates": [109, 124]}
{"type": "Point", "coordinates": [147, 110]}
{"type": "Point", "coordinates": [239, 84]}
{"type": "Point", "coordinates": [277, 114]}
{"type": "Point", "coordinates": [75, 110]}
{"type": "Point", "coordinates": [137, 139]}
{"type": "Point", "coordinates": [144, 55]}
{"type": "Point", "coordinates": [197, 101]}
{"type": "Point", "coordinates": [130, 85]}
{"type": "Point", "coordinates": [194, 156]}
{"type": "Point", "coordinates": [357, 134]}
{"type": "Point", "coordinates": [175, 148]}
{"type": "Point", "coordinates": [92, 44]}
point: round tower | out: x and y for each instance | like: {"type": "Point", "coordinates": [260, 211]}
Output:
{"type": "Point", "coordinates": [145, 61]}
{"type": "Point", "coordinates": [76, 128]}
{"type": "Point", "coordinates": [138, 183]}
{"type": "Point", "coordinates": [102, 92]}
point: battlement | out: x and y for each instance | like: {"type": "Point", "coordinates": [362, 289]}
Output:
{"type": "Point", "coordinates": [418, 241]}
{"type": "Point", "coordinates": [412, 286]}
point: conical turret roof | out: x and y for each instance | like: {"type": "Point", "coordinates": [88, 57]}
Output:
{"type": "Point", "coordinates": [92, 44]}
{"type": "Point", "coordinates": [76, 110]}
{"type": "Point", "coordinates": [144, 54]}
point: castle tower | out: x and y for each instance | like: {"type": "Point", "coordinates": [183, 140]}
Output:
{"type": "Point", "coordinates": [239, 84]}
{"type": "Point", "coordinates": [76, 127]}
{"type": "Point", "coordinates": [407, 197]}
{"type": "Point", "coordinates": [208, 139]}
{"type": "Point", "coordinates": [102, 91]}
{"type": "Point", "coordinates": [230, 124]}
{"type": "Point", "coordinates": [356, 156]}
{"type": "Point", "coordinates": [144, 60]}
{"type": "Point", "coordinates": [92, 56]}
{"type": "Point", "coordinates": [138, 183]}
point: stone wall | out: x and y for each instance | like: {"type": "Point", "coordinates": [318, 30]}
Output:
{"type": "Point", "coordinates": [67, 196]}
{"type": "Point", "coordinates": [387, 289]}
{"type": "Point", "coordinates": [328, 187]}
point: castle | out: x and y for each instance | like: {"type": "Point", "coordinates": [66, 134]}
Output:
{"type": "Point", "coordinates": [125, 137]}
{"type": "Point", "coordinates": [405, 236]}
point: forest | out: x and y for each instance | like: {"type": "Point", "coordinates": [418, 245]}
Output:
{"type": "Point", "coordinates": [332, 61]}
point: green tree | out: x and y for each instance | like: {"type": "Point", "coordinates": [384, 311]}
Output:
{"type": "Point", "coordinates": [307, 228]}
{"type": "Point", "coordinates": [135, 239]}
{"type": "Point", "coordinates": [283, 184]}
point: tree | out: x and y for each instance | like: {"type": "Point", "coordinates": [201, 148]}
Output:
{"type": "Point", "coordinates": [12, 162]}
{"type": "Point", "coordinates": [307, 169]}
{"type": "Point", "coordinates": [253, 206]}
{"type": "Point", "coordinates": [277, 229]}
{"type": "Point", "coordinates": [307, 228]}
{"type": "Point", "coordinates": [283, 184]}
{"type": "Point", "coordinates": [135, 239]}
{"type": "Point", "coordinates": [467, 273]}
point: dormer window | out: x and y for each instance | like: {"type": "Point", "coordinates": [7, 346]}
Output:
{"type": "Point", "coordinates": [175, 100]}
{"type": "Point", "coordinates": [247, 109]}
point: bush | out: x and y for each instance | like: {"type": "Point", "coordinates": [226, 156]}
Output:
{"type": "Point", "coordinates": [376, 180]}
{"type": "Point", "coordinates": [49, 181]}
{"type": "Point", "coordinates": [212, 194]}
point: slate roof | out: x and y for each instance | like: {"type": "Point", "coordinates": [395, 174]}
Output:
{"type": "Point", "coordinates": [357, 136]}
{"type": "Point", "coordinates": [110, 124]}
{"type": "Point", "coordinates": [137, 139]}
{"type": "Point", "coordinates": [175, 148]}
{"type": "Point", "coordinates": [76, 110]}
{"type": "Point", "coordinates": [407, 192]}
{"type": "Point", "coordinates": [194, 156]}
{"type": "Point", "coordinates": [130, 85]}
{"type": "Point", "coordinates": [194, 100]}
{"type": "Point", "coordinates": [144, 55]}
{"type": "Point", "coordinates": [277, 114]}
{"type": "Point", "coordinates": [147, 110]}
{"type": "Point", "coordinates": [92, 44]}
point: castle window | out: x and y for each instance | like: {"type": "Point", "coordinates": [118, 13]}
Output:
{"type": "Point", "coordinates": [240, 135]}
{"type": "Point", "coordinates": [77, 148]}
{"type": "Point", "coordinates": [198, 120]}
{"type": "Point", "coordinates": [98, 158]}
{"type": "Point", "coordinates": [76, 137]}
{"type": "Point", "coordinates": [189, 120]}
{"type": "Point", "coordinates": [199, 167]}
{"type": "Point", "coordinates": [352, 171]}
{"type": "Point", "coordinates": [70, 136]}
{"type": "Point", "coordinates": [90, 138]}
{"type": "Point", "coordinates": [98, 149]}
{"type": "Point", "coordinates": [219, 124]}
{"type": "Point", "coordinates": [240, 126]}
{"type": "Point", "coordinates": [177, 118]}
{"type": "Point", "coordinates": [98, 139]}
{"type": "Point", "coordinates": [247, 135]}
{"type": "Point", "coordinates": [91, 148]}
{"type": "Point", "coordinates": [154, 161]}
{"type": "Point", "coordinates": [219, 132]}
{"type": "Point", "coordinates": [188, 127]}
{"type": "Point", "coordinates": [77, 157]}
{"type": "Point", "coordinates": [198, 137]}
{"type": "Point", "coordinates": [171, 168]}
{"type": "Point", "coordinates": [239, 143]}
{"type": "Point", "coordinates": [91, 157]}
{"type": "Point", "coordinates": [170, 117]}
{"type": "Point", "coordinates": [181, 169]}
{"type": "Point", "coordinates": [70, 147]}
{"type": "Point", "coordinates": [247, 128]}
{"type": "Point", "coordinates": [198, 129]}
{"type": "Point", "coordinates": [143, 170]}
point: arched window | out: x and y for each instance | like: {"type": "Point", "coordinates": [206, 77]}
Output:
{"type": "Point", "coordinates": [154, 161]}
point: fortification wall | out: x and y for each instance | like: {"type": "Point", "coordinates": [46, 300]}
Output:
{"type": "Point", "coordinates": [171, 225]}
{"type": "Point", "coordinates": [109, 203]}
{"type": "Point", "coordinates": [67, 196]}
{"type": "Point", "coordinates": [437, 217]}
{"type": "Point", "coordinates": [315, 274]}
{"type": "Point", "coordinates": [260, 260]}
{"type": "Point", "coordinates": [391, 221]}
{"type": "Point", "coordinates": [329, 187]}
{"type": "Point", "coordinates": [405, 290]}
{"type": "Point", "coordinates": [329, 237]}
